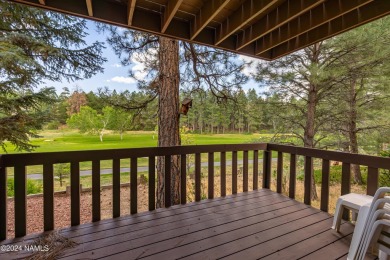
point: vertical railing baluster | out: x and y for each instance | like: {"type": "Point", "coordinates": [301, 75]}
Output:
{"type": "Point", "coordinates": [197, 176]}
{"type": "Point", "coordinates": [95, 190]}
{"type": "Point", "coordinates": [234, 172]}
{"type": "Point", "coordinates": [346, 184]}
{"type": "Point", "coordinates": [133, 184]}
{"type": "Point", "coordinates": [116, 188]}
{"type": "Point", "coordinates": [75, 193]}
{"type": "Point", "coordinates": [372, 180]}
{"type": "Point", "coordinates": [167, 181]}
{"type": "Point", "coordinates": [267, 160]}
{"type": "Point", "coordinates": [307, 184]}
{"type": "Point", "coordinates": [223, 174]}
{"type": "Point", "coordinates": [255, 169]}
{"type": "Point", "coordinates": [48, 197]}
{"type": "Point", "coordinates": [325, 186]}
{"type": "Point", "coordinates": [3, 200]}
{"type": "Point", "coordinates": [245, 172]}
{"type": "Point", "coordinates": [183, 179]}
{"type": "Point", "coordinates": [211, 175]}
{"type": "Point", "coordinates": [20, 200]}
{"type": "Point", "coordinates": [279, 173]}
{"type": "Point", "coordinates": [152, 183]}
{"type": "Point", "coordinates": [293, 174]}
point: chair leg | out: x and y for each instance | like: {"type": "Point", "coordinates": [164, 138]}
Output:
{"type": "Point", "coordinates": [337, 215]}
{"type": "Point", "coordinates": [354, 215]}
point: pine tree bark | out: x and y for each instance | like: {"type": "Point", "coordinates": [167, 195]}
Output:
{"type": "Point", "coordinates": [352, 131]}
{"type": "Point", "coordinates": [309, 132]}
{"type": "Point", "coordinates": [168, 115]}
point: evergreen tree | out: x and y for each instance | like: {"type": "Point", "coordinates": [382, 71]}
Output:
{"type": "Point", "coordinates": [35, 46]}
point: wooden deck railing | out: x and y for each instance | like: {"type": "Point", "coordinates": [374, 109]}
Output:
{"type": "Point", "coordinates": [19, 162]}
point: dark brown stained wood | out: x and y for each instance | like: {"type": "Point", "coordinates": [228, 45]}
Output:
{"type": "Point", "coordinates": [133, 186]}
{"type": "Point", "coordinates": [3, 200]}
{"type": "Point", "coordinates": [249, 221]}
{"type": "Point", "coordinates": [183, 179]}
{"type": "Point", "coordinates": [318, 16]}
{"type": "Point", "coordinates": [234, 172]}
{"type": "Point", "coordinates": [372, 180]}
{"type": "Point", "coordinates": [267, 157]}
{"type": "Point", "coordinates": [325, 186]}
{"type": "Point", "coordinates": [48, 197]}
{"type": "Point", "coordinates": [211, 176]}
{"type": "Point", "coordinates": [74, 193]}
{"type": "Point", "coordinates": [279, 173]}
{"type": "Point", "coordinates": [346, 184]}
{"type": "Point", "coordinates": [89, 7]}
{"type": "Point", "coordinates": [10, 160]}
{"type": "Point", "coordinates": [206, 15]}
{"type": "Point", "coordinates": [130, 11]}
{"type": "Point", "coordinates": [170, 11]}
{"type": "Point", "coordinates": [152, 183]}
{"type": "Point", "coordinates": [95, 191]}
{"type": "Point", "coordinates": [293, 176]}
{"type": "Point", "coordinates": [167, 181]}
{"type": "Point", "coordinates": [223, 174]}
{"type": "Point", "coordinates": [373, 161]}
{"type": "Point", "coordinates": [245, 172]}
{"type": "Point", "coordinates": [197, 176]}
{"type": "Point", "coordinates": [245, 14]}
{"type": "Point", "coordinates": [367, 13]}
{"type": "Point", "coordinates": [255, 169]}
{"type": "Point", "coordinates": [116, 188]}
{"type": "Point", "coordinates": [226, 24]}
{"type": "Point", "coordinates": [276, 18]}
{"type": "Point", "coordinates": [20, 180]}
{"type": "Point", "coordinates": [307, 184]}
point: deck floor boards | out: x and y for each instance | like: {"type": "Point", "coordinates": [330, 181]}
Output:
{"type": "Point", "coordinates": [253, 225]}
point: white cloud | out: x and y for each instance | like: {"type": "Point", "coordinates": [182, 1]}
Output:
{"type": "Point", "coordinates": [125, 80]}
{"type": "Point", "coordinates": [116, 65]}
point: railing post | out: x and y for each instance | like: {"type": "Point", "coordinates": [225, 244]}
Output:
{"type": "Point", "coordinates": [3, 200]}
{"type": "Point", "coordinates": [267, 157]}
{"type": "Point", "coordinates": [223, 174]}
{"type": "Point", "coordinates": [211, 176]}
{"type": "Point", "coordinates": [245, 172]}
{"type": "Point", "coordinates": [197, 176]}
{"type": "Point", "coordinates": [96, 190]}
{"type": "Point", "coordinates": [133, 185]}
{"type": "Point", "coordinates": [75, 193]}
{"type": "Point", "coordinates": [116, 188]}
{"type": "Point", "coordinates": [152, 183]}
{"type": "Point", "coordinates": [255, 169]}
{"type": "Point", "coordinates": [183, 179]}
{"type": "Point", "coordinates": [234, 172]}
{"type": "Point", "coordinates": [325, 185]}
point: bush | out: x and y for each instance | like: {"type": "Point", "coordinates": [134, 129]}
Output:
{"type": "Point", "coordinates": [54, 125]}
{"type": "Point", "coordinates": [33, 187]}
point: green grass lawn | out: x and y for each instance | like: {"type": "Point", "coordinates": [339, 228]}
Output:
{"type": "Point", "coordinates": [71, 140]}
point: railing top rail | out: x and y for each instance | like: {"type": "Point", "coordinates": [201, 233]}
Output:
{"type": "Point", "coordinates": [360, 159]}
{"type": "Point", "coordinates": [11, 160]}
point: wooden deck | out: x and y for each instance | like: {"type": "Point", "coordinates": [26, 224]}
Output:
{"type": "Point", "coordinates": [251, 225]}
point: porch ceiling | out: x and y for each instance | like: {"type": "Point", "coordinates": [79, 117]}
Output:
{"type": "Point", "coordinates": [265, 29]}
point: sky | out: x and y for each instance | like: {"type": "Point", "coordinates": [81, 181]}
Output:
{"type": "Point", "coordinates": [116, 76]}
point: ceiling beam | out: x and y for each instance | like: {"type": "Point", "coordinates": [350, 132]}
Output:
{"type": "Point", "coordinates": [281, 15]}
{"type": "Point", "coordinates": [360, 16]}
{"type": "Point", "coordinates": [205, 15]}
{"type": "Point", "coordinates": [89, 7]}
{"type": "Point", "coordinates": [42, 2]}
{"type": "Point", "coordinates": [318, 16]}
{"type": "Point", "coordinates": [248, 11]}
{"type": "Point", "coordinates": [170, 11]}
{"type": "Point", "coordinates": [130, 11]}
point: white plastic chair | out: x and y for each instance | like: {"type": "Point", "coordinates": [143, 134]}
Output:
{"type": "Point", "coordinates": [376, 237]}
{"type": "Point", "coordinates": [354, 202]}
{"type": "Point", "coordinates": [368, 214]}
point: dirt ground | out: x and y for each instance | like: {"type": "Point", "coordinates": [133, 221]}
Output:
{"type": "Point", "coordinates": [62, 203]}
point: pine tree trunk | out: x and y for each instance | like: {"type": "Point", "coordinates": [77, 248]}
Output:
{"type": "Point", "coordinates": [309, 132]}
{"type": "Point", "coordinates": [168, 117]}
{"type": "Point", "coordinates": [352, 131]}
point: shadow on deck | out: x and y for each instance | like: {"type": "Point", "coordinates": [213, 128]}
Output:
{"type": "Point", "coordinates": [251, 225]}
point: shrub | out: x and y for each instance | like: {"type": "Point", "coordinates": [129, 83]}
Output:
{"type": "Point", "coordinates": [54, 125]}
{"type": "Point", "coordinates": [33, 187]}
